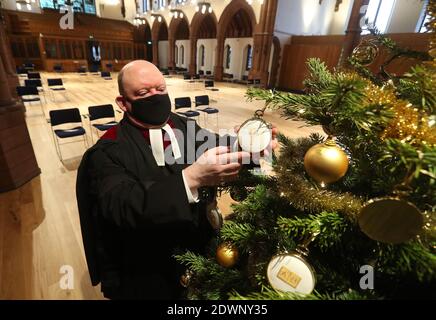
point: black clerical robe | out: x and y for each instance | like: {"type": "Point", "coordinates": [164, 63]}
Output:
{"type": "Point", "coordinates": [135, 216]}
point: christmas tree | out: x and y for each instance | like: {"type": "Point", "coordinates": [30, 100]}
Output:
{"type": "Point", "coordinates": [348, 215]}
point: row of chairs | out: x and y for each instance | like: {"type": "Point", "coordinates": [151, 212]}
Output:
{"type": "Point", "coordinates": [203, 100]}
{"type": "Point", "coordinates": [33, 86]}
{"type": "Point", "coordinates": [72, 116]}
{"type": "Point", "coordinates": [97, 113]}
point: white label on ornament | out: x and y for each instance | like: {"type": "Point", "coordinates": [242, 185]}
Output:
{"type": "Point", "coordinates": [254, 136]}
{"type": "Point", "coordinates": [291, 273]}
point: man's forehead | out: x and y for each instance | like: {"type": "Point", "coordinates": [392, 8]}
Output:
{"type": "Point", "coordinates": [141, 77]}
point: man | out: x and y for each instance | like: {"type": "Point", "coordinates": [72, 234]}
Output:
{"type": "Point", "coordinates": [136, 210]}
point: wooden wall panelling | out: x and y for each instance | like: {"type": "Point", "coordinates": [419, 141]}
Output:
{"type": "Point", "coordinates": [328, 49]}
{"type": "Point", "coordinates": [295, 55]}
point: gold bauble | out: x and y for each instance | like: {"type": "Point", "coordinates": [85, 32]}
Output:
{"type": "Point", "coordinates": [390, 220]}
{"type": "Point", "coordinates": [326, 162]}
{"type": "Point", "coordinates": [227, 255]}
{"type": "Point", "coordinates": [365, 53]}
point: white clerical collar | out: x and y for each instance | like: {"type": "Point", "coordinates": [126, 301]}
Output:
{"type": "Point", "coordinates": [157, 146]}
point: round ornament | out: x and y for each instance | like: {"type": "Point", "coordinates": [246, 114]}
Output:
{"type": "Point", "coordinates": [326, 162]}
{"type": "Point", "coordinates": [255, 134]}
{"type": "Point", "coordinates": [227, 255]}
{"type": "Point", "coordinates": [390, 220]}
{"type": "Point", "coordinates": [291, 273]}
{"type": "Point", "coordinates": [365, 53]}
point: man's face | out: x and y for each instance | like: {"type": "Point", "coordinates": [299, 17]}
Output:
{"type": "Point", "coordinates": [141, 81]}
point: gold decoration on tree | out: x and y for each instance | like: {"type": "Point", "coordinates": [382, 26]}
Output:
{"type": "Point", "coordinates": [365, 53]}
{"type": "Point", "coordinates": [408, 124]}
{"type": "Point", "coordinates": [326, 162]}
{"type": "Point", "coordinates": [392, 219]}
{"type": "Point", "coordinates": [227, 255]}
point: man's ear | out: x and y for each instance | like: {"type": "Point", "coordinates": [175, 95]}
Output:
{"type": "Point", "coordinates": [121, 102]}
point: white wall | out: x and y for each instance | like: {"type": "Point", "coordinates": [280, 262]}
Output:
{"type": "Point", "coordinates": [114, 11]}
{"type": "Point", "coordinates": [237, 60]}
{"type": "Point", "coordinates": [187, 48]}
{"type": "Point", "coordinates": [209, 54]}
{"type": "Point", "coordinates": [218, 7]}
{"type": "Point", "coordinates": [163, 54]}
{"type": "Point", "coordinates": [339, 22]}
{"type": "Point", "coordinates": [405, 16]}
{"type": "Point", "coordinates": [308, 17]}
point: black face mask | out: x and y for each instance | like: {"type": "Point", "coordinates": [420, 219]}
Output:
{"type": "Point", "coordinates": [153, 110]}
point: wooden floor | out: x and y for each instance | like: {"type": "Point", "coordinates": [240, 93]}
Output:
{"type": "Point", "coordinates": [39, 222]}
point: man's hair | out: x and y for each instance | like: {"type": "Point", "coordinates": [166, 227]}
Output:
{"type": "Point", "coordinates": [120, 82]}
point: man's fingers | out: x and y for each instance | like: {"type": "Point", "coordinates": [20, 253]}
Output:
{"type": "Point", "coordinates": [218, 150]}
{"type": "Point", "coordinates": [233, 157]}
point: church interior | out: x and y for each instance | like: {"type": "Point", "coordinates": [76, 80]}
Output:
{"type": "Point", "coordinates": [67, 54]}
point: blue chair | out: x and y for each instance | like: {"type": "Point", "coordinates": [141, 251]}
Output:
{"type": "Point", "coordinates": [33, 75]}
{"type": "Point", "coordinates": [101, 112]}
{"type": "Point", "coordinates": [204, 101]}
{"type": "Point", "coordinates": [82, 70]}
{"type": "Point", "coordinates": [56, 85]}
{"type": "Point", "coordinates": [35, 83]}
{"type": "Point", "coordinates": [29, 94]}
{"type": "Point", "coordinates": [22, 72]}
{"type": "Point", "coordinates": [93, 69]}
{"type": "Point", "coordinates": [29, 66]}
{"type": "Point", "coordinates": [66, 116]}
{"type": "Point", "coordinates": [57, 68]}
{"type": "Point", "coordinates": [106, 75]}
{"type": "Point", "coordinates": [210, 86]}
{"type": "Point", "coordinates": [185, 103]}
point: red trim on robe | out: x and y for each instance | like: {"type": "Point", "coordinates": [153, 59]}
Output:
{"type": "Point", "coordinates": [111, 134]}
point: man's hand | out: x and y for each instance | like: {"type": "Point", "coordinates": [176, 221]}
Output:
{"type": "Point", "coordinates": [214, 167]}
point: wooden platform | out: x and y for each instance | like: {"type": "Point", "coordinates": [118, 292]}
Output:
{"type": "Point", "coordinates": [39, 222]}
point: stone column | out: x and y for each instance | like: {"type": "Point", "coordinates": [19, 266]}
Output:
{"type": "Point", "coordinates": [262, 41]}
{"type": "Point", "coordinates": [155, 52]}
{"type": "Point", "coordinates": [171, 45]}
{"type": "Point", "coordinates": [219, 59]}
{"type": "Point", "coordinates": [8, 61]}
{"type": "Point", "coordinates": [193, 61]}
{"type": "Point", "coordinates": [17, 159]}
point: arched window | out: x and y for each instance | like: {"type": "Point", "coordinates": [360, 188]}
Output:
{"type": "Point", "coordinates": [228, 56]}
{"type": "Point", "coordinates": [249, 58]}
{"type": "Point", "coordinates": [182, 54]}
{"type": "Point", "coordinates": [202, 56]}
{"type": "Point", "coordinates": [176, 54]}
{"type": "Point", "coordinates": [378, 15]}
{"type": "Point", "coordinates": [146, 5]}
